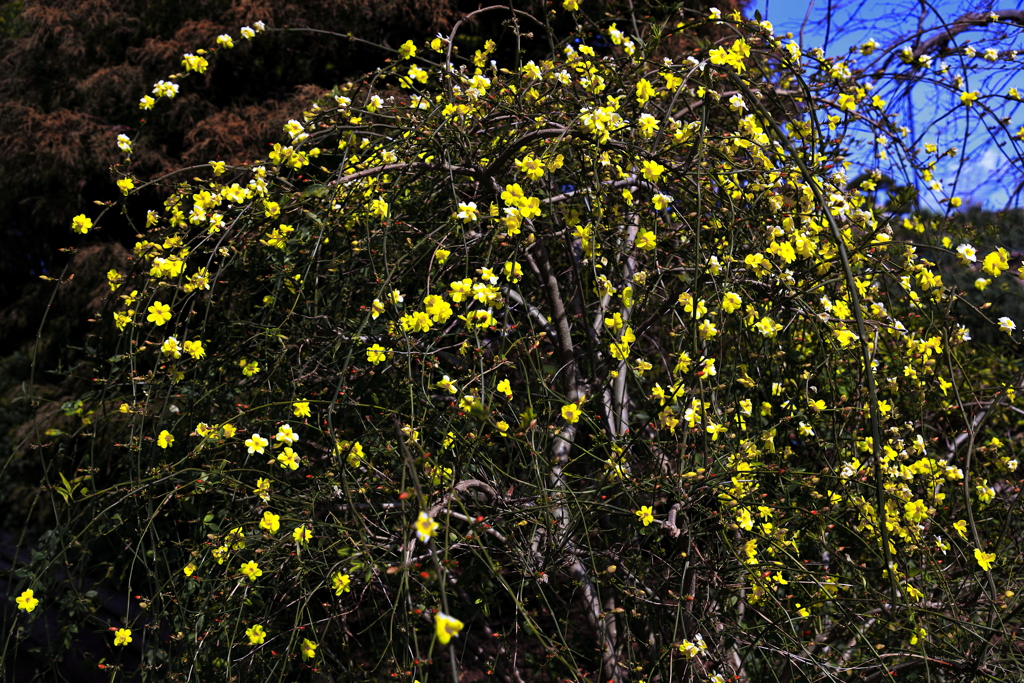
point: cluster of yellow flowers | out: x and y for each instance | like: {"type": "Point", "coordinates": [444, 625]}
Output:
{"type": "Point", "coordinates": [630, 261]}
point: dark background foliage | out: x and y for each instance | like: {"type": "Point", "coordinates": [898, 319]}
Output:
{"type": "Point", "coordinates": [72, 73]}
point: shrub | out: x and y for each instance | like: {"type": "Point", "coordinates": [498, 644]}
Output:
{"type": "Point", "coordinates": [588, 369]}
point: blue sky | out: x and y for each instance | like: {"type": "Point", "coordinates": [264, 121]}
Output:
{"type": "Point", "coordinates": [892, 23]}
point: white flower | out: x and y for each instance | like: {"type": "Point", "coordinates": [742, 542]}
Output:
{"type": "Point", "coordinates": [736, 102]}
{"type": "Point", "coordinates": [966, 253]}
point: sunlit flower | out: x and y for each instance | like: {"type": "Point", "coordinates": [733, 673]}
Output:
{"type": "Point", "coordinates": [270, 522]}
{"type": "Point", "coordinates": [27, 600]}
{"type": "Point", "coordinates": [195, 349]}
{"type": "Point", "coordinates": [302, 534]}
{"type": "Point", "coordinates": [171, 348]}
{"type": "Point", "coordinates": [195, 63]}
{"type": "Point", "coordinates": [425, 527]}
{"type": "Point", "coordinates": [256, 444]}
{"type": "Point", "coordinates": [652, 170]}
{"type": "Point", "coordinates": [445, 627]}
{"type": "Point", "coordinates": [122, 636]}
{"type": "Point", "coordinates": [81, 224]}
{"type": "Point", "coordinates": [377, 354]}
{"type": "Point", "coordinates": [288, 459]}
{"type": "Point", "coordinates": [159, 313]}
{"type": "Point", "coordinates": [251, 570]}
{"type": "Point", "coordinates": [468, 212]}
{"type": "Point", "coordinates": [342, 583]}
{"type": "Point", "coordinates": [256, 634]}
{"type": "Point", "coordinates": [984, 559]}
{"type": "Point", "coordinates": [646, 514]}
{"type": "Point", "coordinates": [286, 435]}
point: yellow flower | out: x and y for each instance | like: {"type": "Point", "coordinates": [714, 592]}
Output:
{"type": "Point", "coordinates": [159, 313]}
{"type": "Point", "coordinates": [302, 534]}
{"type": "Point", "coordinates": [505, 387]}
{"type": "Point", "coordinates": [288, 459]}
{"type": "Point", "coordinates": [646, 240]}
{"type": "Point", "coordinates": [531, 166]}
{"type": "Point", "coordinates": [513, 271]}
{"type": "Point", "coordinates": [425, 527]}
{"type": "Point", "coordinates": [661, 201]}
{"type": "Point", "coordinates": [446, 627]}
{"type": "Point", "coordinates": [353, 450]}
{"type": "Point", "coordinates": [170, 348]}
{"type": "Point", "coordinates": [468, 212]}
{"type": "Point", "coordinates": [996, 262]}
{"type": "Point", "coordinates": [165, 439]}
{"type": "Point", "coordinates": [646, 514]}
{"type": "Point", "coordinates": [407, 50]}
{"type": "Point", "coordinates": [195, 349]}
{"type": "Point", "coordinates": [377, 353]}
{"type": "Point", "coordinates": [262, 489]}
{"type": "Point", "coordinates": [379, 208]}
{"type": "Point", "coordinates": [985, 560]}
{"type": "Point", "coordinates": [691, 650]}
{"type": "Point", "coordinates": [251, 570]}
{"type": "Point", "coordinates": [301, 409]}
{"type": "Point", "coordinates": [961, 528]}
{"type": "Point", "coordinates": [845, 337]}
{"type": "Point", "coordinates": [189, 569]}
{"type": "Point", "coordinates": [81, 224]}
{"type": "Point", "coordinates": [652, 170]}
{"type": "Point", "coordinates": [308, 648]}
{"type": "Point", "coordinates": [644, 91]}
{"type": "Point", "coordinates": [767, 327]}
{"type": "Point", "coordinates": [256, 444]}
{"type": "Point", "coordinates": [447, 384]}
{"type": "Point", "coordinates": [270, 522]}
{"type": "Point", "coordinates": [163, 89]}
{"type": "Point", "coordinates": [256, 634]}
{"type": "Point", "coordinates": [572, 6]}
{"type": "Point", "coordinates": [286, 435]}
{"type": "Point", "coordinates": [27, 600]}
{"type": "Point", "coordinates": [744, 519]}
{"type": "Point", "coordinates": [122, 636]}
{"type": "Point", "coordinates": [969, 98]}
{"type": "Point", "coordinates": [342, 583]}
{"type": "Point", "coordinates": [571, 413]}
{"type": "Point", "coordinates": [126, 185]}
{"type": "Point", "coordinates": [194, 63]}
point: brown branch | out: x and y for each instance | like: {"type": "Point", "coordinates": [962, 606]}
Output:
{"type": "Point", "coordinates": [414, 165]}
{"type": "Point", "coordinates": [965, 23]}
